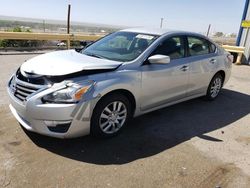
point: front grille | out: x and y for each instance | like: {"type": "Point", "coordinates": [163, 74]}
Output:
{"type": "Point", "coordinates": [23, 87]}
{"type": "Point", "coordinates": [21, 90]}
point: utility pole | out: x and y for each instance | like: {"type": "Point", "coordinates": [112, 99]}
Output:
{"type": "Point", "coordinates": [68, 20]}
{"type": "Point", "coordinates": [208, 29]}
{"type": "Point", "coordinates": [161, 22]}
{"type": "Point", "coordinates": [68, 26]}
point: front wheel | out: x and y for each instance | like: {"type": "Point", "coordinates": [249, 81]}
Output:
{"type": "Point", "coordinates": [214, 87]}
{"type": "Point", "coordinates": [110, 115]}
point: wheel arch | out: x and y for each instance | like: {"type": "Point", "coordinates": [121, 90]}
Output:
{"type": "Point", "coordinates": [125, 93]}
{"type": "Point", "coordinates": [222, 73]}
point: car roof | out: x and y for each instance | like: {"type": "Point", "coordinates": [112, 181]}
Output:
{"type": "Point", "coordinates": [158, 31]}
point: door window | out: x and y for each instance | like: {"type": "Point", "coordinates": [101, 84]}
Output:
{"type": "Point", "coordinates": [212, 48]}
{"type": "Point", "coordinates": [172, 47]}
{"type": "Point", "coordinates": [198, 46]}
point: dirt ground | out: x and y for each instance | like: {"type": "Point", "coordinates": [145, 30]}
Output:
{"type": "Point", "coordinates": [192, 144]}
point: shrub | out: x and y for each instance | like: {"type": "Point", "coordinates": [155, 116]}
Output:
{"type": "Point", "coordinates": [20, 43]}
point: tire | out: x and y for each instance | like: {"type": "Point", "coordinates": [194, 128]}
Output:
{"type": "Point", "coordinates": [214, 87]}
{"type": "Point", "coordinates": [110, 115]}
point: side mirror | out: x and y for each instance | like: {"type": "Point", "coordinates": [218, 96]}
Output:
{"type": "Point", "coordinates": [78, 49]}
{"type": "Point", "coordinates": [159, 59]}
{"type": "Point", "coordinates": [85, 44]}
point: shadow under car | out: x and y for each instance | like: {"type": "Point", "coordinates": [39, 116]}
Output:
{"type": "Point", "coordinates": [154, 132]}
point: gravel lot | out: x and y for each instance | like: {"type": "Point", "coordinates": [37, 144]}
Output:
{"type": "Point", "coordinates": [192, 144]}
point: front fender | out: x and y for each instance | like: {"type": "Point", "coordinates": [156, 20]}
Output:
{"type": "Point", "coordinates": [126, 80]}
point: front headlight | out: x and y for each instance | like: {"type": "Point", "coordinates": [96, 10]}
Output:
{"type": "Point", "coordinates": [71, 94]}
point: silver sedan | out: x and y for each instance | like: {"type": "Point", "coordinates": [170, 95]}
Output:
{"type": "Point", "coordinates": [128, 73]}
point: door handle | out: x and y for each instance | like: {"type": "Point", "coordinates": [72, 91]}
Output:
{"type": "Point", "coordinates": [212, 61]}
{"type": "Point", "coordinates": [184, 68]}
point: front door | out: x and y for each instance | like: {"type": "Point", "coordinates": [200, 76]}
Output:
{"type": "Point", "coordinates": [164, 83]}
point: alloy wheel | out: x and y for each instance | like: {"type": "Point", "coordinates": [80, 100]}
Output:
{"type": "Point", "coordinates": [113, 117]}
{"type": "Point", "coordinates": [216, 87]}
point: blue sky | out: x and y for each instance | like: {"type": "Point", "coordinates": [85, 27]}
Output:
{"type": "Point", "coordinates": [193, 15]}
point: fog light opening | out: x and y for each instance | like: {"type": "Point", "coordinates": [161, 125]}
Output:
{"type": "Point", "coordinates": [58, 126]}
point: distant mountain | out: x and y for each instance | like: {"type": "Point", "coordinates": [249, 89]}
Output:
{"type": "Point", "coordinates": [61, 22]}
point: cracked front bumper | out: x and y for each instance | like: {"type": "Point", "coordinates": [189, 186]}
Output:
{"type": "Point", "coordinates": [48, 119]}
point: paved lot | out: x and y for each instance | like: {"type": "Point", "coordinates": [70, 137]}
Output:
{"type": "Point", "coordinates": [193, 144]}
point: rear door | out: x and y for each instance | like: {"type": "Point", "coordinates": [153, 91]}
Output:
{"type": "Point", "coordinates": [202, 60]}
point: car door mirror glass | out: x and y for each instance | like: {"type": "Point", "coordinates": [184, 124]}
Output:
{"type": "Point", "coordinates": [159, 59]}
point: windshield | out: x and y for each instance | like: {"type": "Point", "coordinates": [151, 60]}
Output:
{"type": "Point", "coordinates": [120, 46]}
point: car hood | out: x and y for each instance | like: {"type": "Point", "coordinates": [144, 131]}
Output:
{"type": "Point", "coordinates": [65, 62]}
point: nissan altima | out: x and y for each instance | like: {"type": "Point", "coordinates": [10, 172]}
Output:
{"type": "Point", "coordinates": [128, 73]}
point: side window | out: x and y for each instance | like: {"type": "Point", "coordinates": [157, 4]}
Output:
{"type": "Point", "coordinates": [212, 48]}
{"type": "Point", "coordinates": [198, 46]}
{"type": "Point", "coordinates": [172, 47]}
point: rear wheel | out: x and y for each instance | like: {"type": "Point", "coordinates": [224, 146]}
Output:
{"type": "Point", "coordinates": [110, 115]}
{"type": "Point", "coordinates": [214, 87]}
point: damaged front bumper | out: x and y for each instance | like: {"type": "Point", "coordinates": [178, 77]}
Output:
{"type": "Point", "coordinates": [50, 119]}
